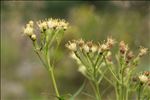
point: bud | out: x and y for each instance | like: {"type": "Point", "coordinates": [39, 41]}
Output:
{"type": "Point", "coordinates": [31, 23]}
{"type": "Point", "coordinates": [33, 37]}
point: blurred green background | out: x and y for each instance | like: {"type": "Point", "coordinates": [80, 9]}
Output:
{"type": "Point", "coordinates": [22, 75]}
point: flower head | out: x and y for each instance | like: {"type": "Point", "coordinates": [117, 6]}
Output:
{"type": "Point", "coordinates": [72, 46]}
{"type": "Point", "coordinates": [110, 42]}
{"type": "Point", "coordinates": [42, 25]}
{"type": "Point", "coordinates": [28, 30]}
{"type": "Point", "coordinates": [86, 48]}
{"type": "Point", "coordinates": [129, 55]}
{"type": "Point", "coordinates": [104, 47]}
{"type": "Point", "coordinates": [123, 47]}
{"type": "Point", "coordinates": [143, 78]}
{"type": "Point", "coordinates": [143, 51]}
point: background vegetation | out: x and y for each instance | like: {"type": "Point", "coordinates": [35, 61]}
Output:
{"type": "Point", "coordinates": [22, 75]}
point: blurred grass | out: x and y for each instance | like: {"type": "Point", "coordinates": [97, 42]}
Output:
{"type": "Point", "coordinates": [24, 78]}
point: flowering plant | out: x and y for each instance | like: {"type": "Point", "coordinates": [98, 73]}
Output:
{"type": "Point", "coordinates": [51, 30]}
{"type": "Point", "coordinates": [95, 60]}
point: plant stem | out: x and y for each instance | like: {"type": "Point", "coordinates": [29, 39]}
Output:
{"type": "Point", "coordinates": [98, 96]}
{"type": "Point", "coordinates": [96, 90]}
{"type": "Point", "coordinates": [51, 71]}
{"type": "Point", "coordinates": [139, 92]}
{"type": "Point", "coordinates": [54, 82]}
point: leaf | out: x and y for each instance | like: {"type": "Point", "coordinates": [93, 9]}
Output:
{"type": "Point", "coordinates": [78, 91]}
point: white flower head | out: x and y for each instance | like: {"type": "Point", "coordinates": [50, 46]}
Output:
{"type": "Point", "coordinates": [72, 46]}
{"type": "Point", "coordinates": [143, 51]}
{"type": "Point", "coordinates": [86, 48]}
{"type": "Point", "coordinates": [52, 23]}
{"type": "Point", "coordinates": [143, 78]}
{"type": "Point", "coordinates": [28, 30]}
{"type": "Point", "coordinates": [42, 25]}
{"type": "Point", "coordinates": [94, 48]}
{"type": "Point", "coordinates": [104, 47]}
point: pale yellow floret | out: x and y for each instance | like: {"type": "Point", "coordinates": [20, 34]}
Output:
{"type": "Point", "coordinates": [71, 46]}
{"type": "Point", "coordinates": [86, 48]}
{"type": "Point", "coordinates": [143, 78]}
{"type": "Point", "coordinates": [28, 30]}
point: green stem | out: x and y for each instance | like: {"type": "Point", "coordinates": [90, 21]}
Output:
{"type": "Point", "coordinates": [139, 92]}
{"type": "Point", "coordinates": [98, 96]}
{"type": "Point", "coordinates": [54, 82]}
{"type": "Point", "coordinates": [96, 90]}
{"type": "Point", "coordinates": [51, 70]}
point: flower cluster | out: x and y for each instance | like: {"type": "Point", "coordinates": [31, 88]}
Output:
{"type": "Point", "coordinates": [89, 46]}
{"type": "Point", "coordinates": [50, 30]}
{"type": "Point", "coordinates": [89, 54]}
{"type": "Point", "coordinates": [55, 24]}
{"type": "Point", "coordinates": [144, 78]}
{"type": "Point", "coordinates": [29, 30]}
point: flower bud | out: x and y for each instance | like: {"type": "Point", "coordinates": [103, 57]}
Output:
{"type": "Point", "coordinates": [33, 37]}
{"type": "Point", "coordinates": [31, 23]}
